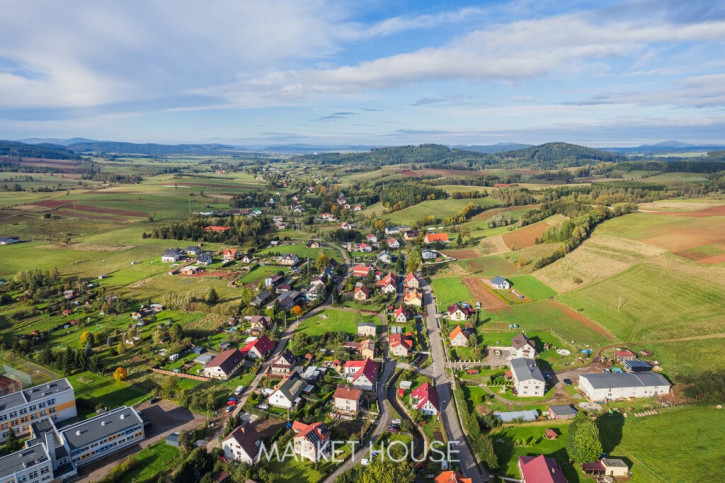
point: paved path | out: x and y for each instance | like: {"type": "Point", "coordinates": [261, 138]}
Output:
{"type": "Point", "coordinates": [449, 419]}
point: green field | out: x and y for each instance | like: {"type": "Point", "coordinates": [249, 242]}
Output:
{"type": "Point", "coordinates": [686, 357]}
{"type": "Point", "coordinates": [650, 302]}
{"type": "Point", "coordinates": [439, 208]}
{"type": "Point", "coordinates": [531, 287]}
{"type": "Point", "coordinates": [450, 291]}
{"type": "Point", "coordinates": [688, 440]}
{"type": "Point", "coordinates": [331, 320]}
{"type": "Point", "coordinates": [489, 266]}
{"type": "Point", "coordinates": [301, 251]}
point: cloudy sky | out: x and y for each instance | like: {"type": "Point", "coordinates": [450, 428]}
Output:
{"type": "Point", "coordinates": [384, 72]}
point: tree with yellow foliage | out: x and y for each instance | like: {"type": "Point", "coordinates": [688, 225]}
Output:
{"type": "Point", "coordinates": [120, 374]}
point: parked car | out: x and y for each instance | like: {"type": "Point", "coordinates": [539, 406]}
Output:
{"type": "Point", "coordinates": [262, 406]}
{"type": "Point", "coordinates": [567, 382]}
{"type": "Point", "coordinates": [239, 390]}
{"type": "Point", "coordinates": [155, 399]}
{"type": "Point", "coordinates": [229, 409]}
{"type": "Point", "coordinates": [231, 403]}
{"type": "Point", "coordinates": [396, 422]}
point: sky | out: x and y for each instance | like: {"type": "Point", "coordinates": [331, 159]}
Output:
{"type": "Point", "coordinates": [378, 72]}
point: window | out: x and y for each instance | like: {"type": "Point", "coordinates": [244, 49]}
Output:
{"type": "Point", "coordinates": [51, 401]}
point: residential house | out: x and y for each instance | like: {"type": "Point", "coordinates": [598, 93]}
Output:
{"type": "Point", "coordinates": [400, 345]}
{"type": "Point", "coordinates": [261, 322]}
{"type": "Point", "coordinates": [367, 329]}
{"type": "Point", "coordinates": [204, 260]}
{"type": "Point", "coordinates": [347, 400]}
{"type": "Point", "coordinates": [247, 258]}
{"type": "Point", "coordinates": [523, 347]}
{"type": "Point", "coordinates": [313, 244]}
{"type": "Point", "coordinates": [288, 392]}
{"type": "Point", "coordinates": [500, 283]}
{"type": "Point", "coordinates": [371, 239]}
{"type": "Point", "coordinates": [192, 250]}
{"type": "Point", "coordinates": [361, 271]}
{"type": "Point", "coordinates": [411, 281]}
{"type": "Point", "coordinates": [362, 293]}
{"type": "Point", "coordinates": [425, 398]}
{"type": "Point", "coordinates": [561, 411]}
{"type": "Point", "coordinates": [540, 469]}
{"type": "Point", "coordinates": [385, 257]}
{"type": "Point", "coordinates": [393, 243]}
{"type": "Point", "coordinates": [243, 444]}
{"type": "Point", "coordinates": [460, 311]}
{"type": "Point", "coordinates": [312, 441]}
{"type": "Point", "coordinates": [258, 348]}
{"type": "Point", "coordinates": [621, 385]}
{"type": "Point", "coordinates": [346, 226]}
{"type": "Point", "coordinates": [367, 349]}
{"type": "Point", "coordinates": [458, 337]}
{"type": "Point", "coordinates": [428, 254]}
{"type": "Point", "coordinates": [357, 208]}
{"type": "Point", "coordinates": [389, 284]}
{"type": "Point", "coordinates": [172, 255]}
{"type": "Point", "coordinates": [362, 374]}
{"type": "Point", "coordinates": [282, 365]}
{"type": "Point", "coordinates": [624, 355]}
{"type": "Point", "coordinates": [9, 240]}
{"type": "Point", "coordinates": [328, 217]}
{"type": "Point", "coordinates": [401, 315]}
{"type": "Point", "coordinates": [286, 299]}
{"type": "Point", "coordinates": [224, 365]}
{"type": "Point", "coordinates": [289, 260]}
{"type": "Point", "coordinates": [414, 298]}
{"type": "Point", "coordinates": [410, 235]}
{"type": "Point", "coordinates": [229, 254]}
{"type": "Point", "coordinates": [392, 230]}
{"type": "Point", "coordinates": [436, 238]}
{"type": "Point", "coordinates": [314, 292]}
{"type": "Point", "coordinates": [260, 298]}
{"type": "Point", "coordinates": [365, 248]}
{"type": "Point", "coordinates": [451, 477]}
{"type": "Point", "coordinates": [528, 379]}
{"type": "Point", "coordinates": [191, 270]}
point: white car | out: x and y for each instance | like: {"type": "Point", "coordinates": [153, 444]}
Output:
{"type": "Point", "coordinates": [364, 461]}
{"type": "Point", "coordinates": [396, 422]}
{"type": "Point", "coordinates": [238, 390]}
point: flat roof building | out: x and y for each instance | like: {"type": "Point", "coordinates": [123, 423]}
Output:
{"type": "Point", "coordinates": [620, 385]}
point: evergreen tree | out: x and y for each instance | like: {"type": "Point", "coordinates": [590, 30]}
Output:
{"type": "Point", "coordinates": [212, 297]}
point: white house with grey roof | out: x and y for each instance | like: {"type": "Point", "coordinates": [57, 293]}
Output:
{"type": "Point", "coordinates": [528, 379]}
{"type": "Point", "coordinates": [288, 393]}
{"type": "Point", "coordinates": [620, 385]}
{"type": "Point", "coordinates": [29, 465]}
{"type": "Point", "coordinates": [172, 255]}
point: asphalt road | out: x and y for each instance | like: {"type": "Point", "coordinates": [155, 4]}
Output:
{"type": "Point", "coordinates": [443, 386]}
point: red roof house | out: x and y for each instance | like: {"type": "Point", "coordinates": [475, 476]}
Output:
{"type": "Point", "coordinates": [540, 469]}
{"type": "Point", "coordinates": [425, 398]}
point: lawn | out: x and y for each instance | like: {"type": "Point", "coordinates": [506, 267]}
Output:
{"type": "Point", "coordinates": [650, 302]}
{"type": "Point", "coordinates": [449, 291]}
{"type": "Point", "coordinates": [152, 460]}
{"type": "Point", "coordinates": [489, 266]}
{"type": "Point", "coordinates": [331, 320]}
{"type": "Point", "coordinates": [531, 287]}
{"type": "Point", "coordinates": [105, 390]}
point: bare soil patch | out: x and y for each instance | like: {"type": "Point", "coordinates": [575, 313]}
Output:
{"type": "Point", "coordinates": [51, 203]}
{"type": "Point", "coordinates": [462, 254]}
{"type": "Point", "coordinates": [714, 260]}
{"type": "Point", "coordinates": [489, 300]}
{"type": "Point", "coordinates": [526, 236]}
{"type": "Point", "coordinates": [718, 210]}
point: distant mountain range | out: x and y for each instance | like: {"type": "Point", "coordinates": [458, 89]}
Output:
{"type": "Point", "coordinates": [502, 153]}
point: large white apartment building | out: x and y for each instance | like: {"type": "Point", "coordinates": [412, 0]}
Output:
{"type": "Point", "coordinates": [55, 400]}
{"type": "Point", "coordinates": [53, 453]}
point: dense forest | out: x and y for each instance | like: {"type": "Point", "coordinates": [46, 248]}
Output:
{"type": "Point", "coordinates": [242, 230]}
{"type": "Point", "coordinates": [546, 156]}
{"type": "Point", "coordinates": [43, 151]}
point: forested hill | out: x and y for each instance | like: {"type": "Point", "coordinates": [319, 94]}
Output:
{"type": "Point", "coordinates": [553, 154]}
{"type": "Point", "coordinates": [105, 147]}
{"type": "Point", "coordinates": [550, 155]}
{"type": "Point", "coordinates": [44, 151]}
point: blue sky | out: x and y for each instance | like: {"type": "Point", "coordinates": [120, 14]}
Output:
{"type": "Point", "coordinates": [602, 73]}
